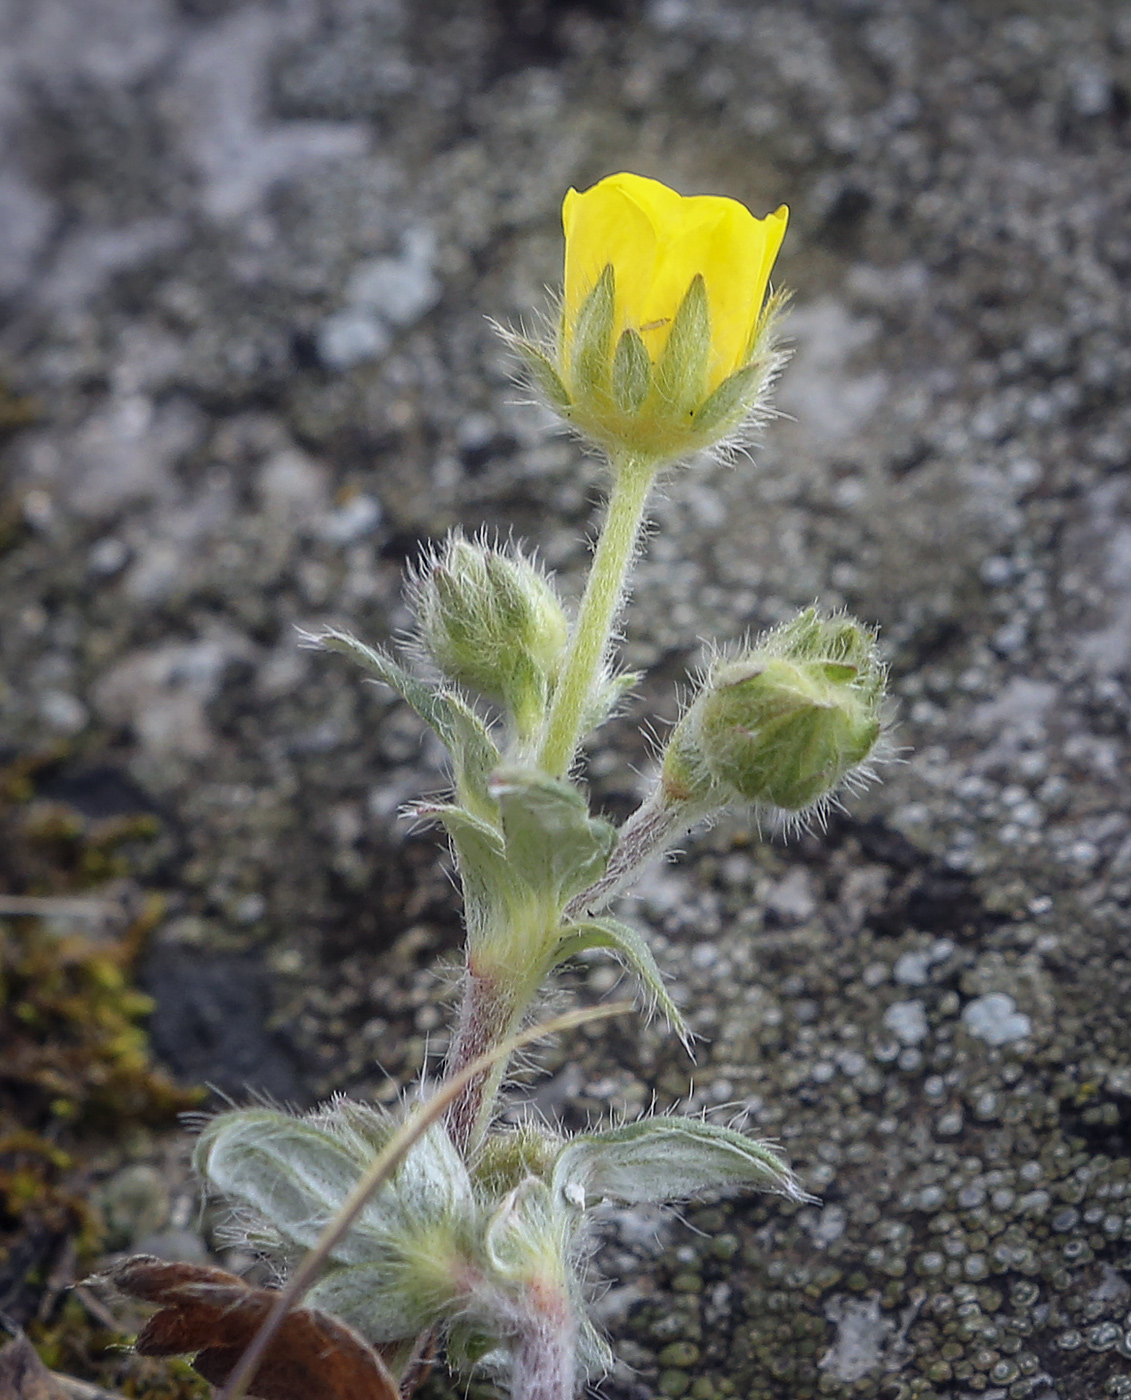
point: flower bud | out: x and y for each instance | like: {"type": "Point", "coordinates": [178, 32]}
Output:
{"type": "Point", "coordinates": [783, 725]}
{"type": "Point", "coordinates": [491, 621]}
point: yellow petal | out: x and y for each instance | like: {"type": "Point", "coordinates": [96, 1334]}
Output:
{"type": "Point", "coordinates": [775, 225]}
{"type": "Point", "coordinates": [737, 260]}
{"type": "Point", "coordinates": [605, 225]}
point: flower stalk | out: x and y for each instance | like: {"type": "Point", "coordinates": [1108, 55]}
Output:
{"type": "Point", "coordinates": [604, 593]}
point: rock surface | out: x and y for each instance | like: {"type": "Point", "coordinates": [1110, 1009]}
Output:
{"type": "Point", "coordinates": [249, 252]}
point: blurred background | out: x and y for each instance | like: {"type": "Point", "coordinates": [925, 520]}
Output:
{"type": "Point", "coordinates": [248, 253]}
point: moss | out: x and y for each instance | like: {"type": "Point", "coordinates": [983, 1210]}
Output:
{"type": "Point", "coordinates": [77, 1052]}
{"type": "Point", "coordinates": [77, 1073]}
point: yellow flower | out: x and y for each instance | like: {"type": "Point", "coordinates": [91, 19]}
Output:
{"type": "Point", "coordinates": [657, 242]}
{"type": "Point", "coordinates": [666, 342]}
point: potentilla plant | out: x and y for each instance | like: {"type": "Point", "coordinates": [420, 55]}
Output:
{"type": "Point", "coordinates": [665, 347]}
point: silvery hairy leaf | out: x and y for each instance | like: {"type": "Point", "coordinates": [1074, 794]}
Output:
{"type": "Point", "coordinates": [529, 1231]}
{"type": "Point", "coordinates": [533, 1288]}
{"type": "Point", "coordinates": [631, 947]}
{"type": "Point", "coordinates": [400, 1264]}
{"type": "Point", "coordinates": [295, 1173]}
{"type": "Point", "coordinates": [662, 1159]}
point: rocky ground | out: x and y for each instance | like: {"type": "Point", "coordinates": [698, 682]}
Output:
{"type": "Point", "coordinates": [248, 254]}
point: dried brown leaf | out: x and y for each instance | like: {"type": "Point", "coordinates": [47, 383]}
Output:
{"type": "Point", "coordinates": [216, 1314]}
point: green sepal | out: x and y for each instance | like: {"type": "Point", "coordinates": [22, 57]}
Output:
{"type": "Point", "coordinates": [764, 334]}
{"type": "Point", "coordinates": [682, 370]}
{"type": "Point", "coordinates": [731, 401]}
{"type": "Point", "coordinates": [526, 695]}
{"type": "Point", "coordinates": [632, 372]}
{"type": "Point", "coordinates": [543, 374]}
{"type": "Point", "coordinates": [592, 333]}
{"type": "Point", "coordinates": [509, 599]}
{"type": "Point", "coordinates": [663, 1159]}
{"type": "Point", "coordinates": [466, 737]}
{"type": "Point", "coordinates": [631, 947]}
{"type": "Point", "coordinates": [552, 843]}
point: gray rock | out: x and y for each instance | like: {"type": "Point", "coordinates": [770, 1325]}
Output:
{"type": "Point", "coordinates": [995, 1019]}
{"type": "Point", "coordinates": [907, 1021]}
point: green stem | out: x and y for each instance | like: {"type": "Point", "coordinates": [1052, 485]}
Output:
{"type": "Point", "coordinates": [632, 480]}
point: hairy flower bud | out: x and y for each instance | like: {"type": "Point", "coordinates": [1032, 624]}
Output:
{"type": "Point", "coordinates": [491, 620]}
{"type": "Point", "coordinates": [784, 724]}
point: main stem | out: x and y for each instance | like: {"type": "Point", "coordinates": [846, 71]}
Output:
{"type": "Point", "coordinates": [544, 1357]}
{"type": "Point", "coordinates": [492, 1004]}
{"type": "Point", "coordinates": [489, 1010]}
{"type": "Point", "coordinates": [632, 480]}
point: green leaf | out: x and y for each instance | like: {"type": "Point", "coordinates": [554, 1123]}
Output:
{"type": "Point", "coordinates": [631, 947]}
{"type": "Point", "coordinates": [475, 756]}
{"type": "Point", "coordinates": [552, 843]}
{"type": "Point", "coordinates": [662, 1159]}
{"type": "Point", "coordinates": [485, 874]}
{"type": "Point", "coordinates": [607, 693]}
{"type": "Point", "coordinates": [455, 723]}
{"type": "Point", "coordinates": [424, 698]}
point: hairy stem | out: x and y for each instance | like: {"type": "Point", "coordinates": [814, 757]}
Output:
{"type": "Point", "coordinates": [545, 1364]}
{"type": "Point", "coordinates": [489, 1009]}
{"type": "Point", "coordinates": [604, 591]}
{"type": "Point", "coordinates": [646, 834]}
